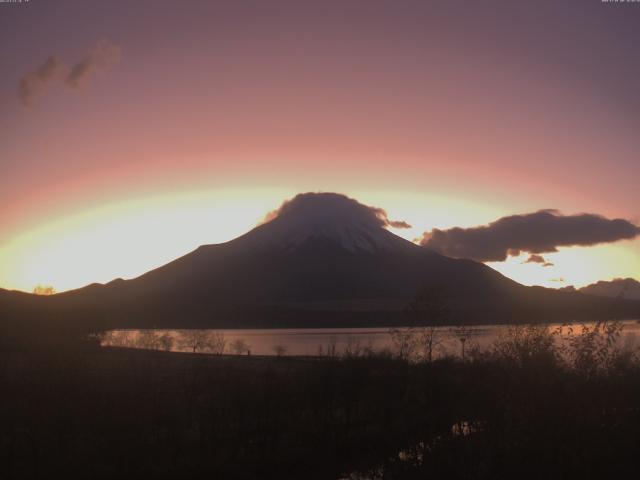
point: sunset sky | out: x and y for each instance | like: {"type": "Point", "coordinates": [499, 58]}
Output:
{"type": "Point", "coordinates": [132, 132]}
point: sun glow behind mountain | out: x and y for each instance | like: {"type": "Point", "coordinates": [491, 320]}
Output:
{"type": "Point", "coordinates": [127, 238]}
{"type": "Point", "coordinates": [124, 147]}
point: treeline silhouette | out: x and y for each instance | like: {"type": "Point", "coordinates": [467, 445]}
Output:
{"type": "Point", "coordinates": [528, 407]}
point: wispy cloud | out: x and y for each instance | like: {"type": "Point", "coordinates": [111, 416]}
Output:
{"type": "Point", "coordinates": [102, 57]}
{"type": "Point", "coordinates": [52, 71]}
{"type": "Point", "coordinates": [35, 82]}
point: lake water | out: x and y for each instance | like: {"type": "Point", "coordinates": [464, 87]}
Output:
{"type": "Point", "coordinates": [337, 341]}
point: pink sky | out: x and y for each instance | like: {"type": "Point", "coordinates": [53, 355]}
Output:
{"type": "Point", "coordinates": [520, 107]}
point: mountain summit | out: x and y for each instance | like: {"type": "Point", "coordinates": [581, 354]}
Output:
{"type": "Point", "coordinates": [335, 220]}
{"type": "Point", "coordinates": [321, 259]}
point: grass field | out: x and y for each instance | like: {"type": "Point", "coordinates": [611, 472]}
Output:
{"type": "Point", "coordinates": [518, 411]}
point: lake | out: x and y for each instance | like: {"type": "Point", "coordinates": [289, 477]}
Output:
{"type": "Point", "coordinates": [331, 341]}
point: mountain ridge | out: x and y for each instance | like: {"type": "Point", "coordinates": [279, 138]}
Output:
{"type": "Point", "coordinates": [320, 260]}
{"type": "Point", "coordinates": [617, 288]}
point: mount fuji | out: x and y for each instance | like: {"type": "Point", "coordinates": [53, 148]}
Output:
{"type": "Point", "coordinates": [322, 259]}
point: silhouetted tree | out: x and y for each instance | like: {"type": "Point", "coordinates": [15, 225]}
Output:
{"type": "Point", "coordinates": [202, 341]}
{"type": "Point", "coordinates": [44, 290]}
{"type": "Point", "coordinates": [148, 339]}
{"type": "Point", "coordinates": [524, 344]}
{"type": "Point", "coordinates": [120, 338]}
{"type": "Point", "coordinates": [429, 311]}
{"type": "Point", "coordinates": [355, 349]}
{"type": "Point", "coordinates": [166, 341]}
{"type": "Point", "coordinates": [404, 342]}
{"type": "Point", "coordinates": [239, 346]}
{"type": "Point", "coordinates": [462, 333]}
{"type": "Point", "coordinates": [594, 348]}
{"type": "Point", "coordinates": [279, 350]}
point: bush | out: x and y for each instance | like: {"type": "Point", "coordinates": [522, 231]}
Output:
{"type": "Point", "coordinates": [526, 344]}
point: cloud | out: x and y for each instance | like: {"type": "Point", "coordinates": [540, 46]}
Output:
{"type": "Point", "coordinates": [34, 83]}
{"type": "Point", "coordinates": [538, 259]}
{"type": "Point", "coordinates": [335, 206]}
{"type": "Point", "coordinates": [102, 57]}
{"type": "Point", "coordinates": [397, 223]}
{"type": "Point", "coordinates": [534, 233]}
{"type": "Point", "coordinates": [535, 259]}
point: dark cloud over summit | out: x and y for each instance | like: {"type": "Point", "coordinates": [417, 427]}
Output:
{"type": "Point", "coordinates": [335, 207]}
{"type": "Point", "coordinates": [540, 232]}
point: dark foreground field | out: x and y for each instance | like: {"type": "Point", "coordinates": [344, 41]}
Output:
{"type": "Point", "coordinates": [517, 413]}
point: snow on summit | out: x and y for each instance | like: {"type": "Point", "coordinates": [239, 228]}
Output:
{"type": "Point", "coordinates": [331, 217]}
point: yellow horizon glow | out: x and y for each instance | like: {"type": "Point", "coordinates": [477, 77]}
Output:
{"type": "Point", "coordinates": [125, 239]}
{"type": "Point", "coordinates": [576, 266]}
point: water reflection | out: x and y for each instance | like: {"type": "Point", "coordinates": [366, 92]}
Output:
{"type": "Point", "coordinates": [335, 342]}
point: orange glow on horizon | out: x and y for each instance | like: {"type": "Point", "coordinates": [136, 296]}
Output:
{"type": "Point", "coordinates": [442, 116]}
{"type": "Point", "coordinates": [126, 239]}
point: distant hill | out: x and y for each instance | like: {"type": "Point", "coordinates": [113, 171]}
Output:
{"type": "Point", "coordinates": [618, 288]}
{"type": "Point", "coordinates": [324, 260]}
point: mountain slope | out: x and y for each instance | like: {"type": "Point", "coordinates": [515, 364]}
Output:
{"type": "Point", "coordinates": [617, 288]}
{"type": "Point", "coordinates": [322, 260]}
